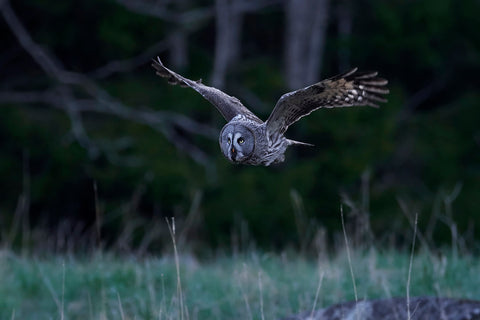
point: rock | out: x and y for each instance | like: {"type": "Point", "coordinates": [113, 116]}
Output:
{"type": "Point", "coordinates": [421, 308]}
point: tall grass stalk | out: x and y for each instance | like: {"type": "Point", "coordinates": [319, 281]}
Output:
{"type": "Point", "coordinates": [347, 247]}
{"type": "Point", "coordinates": [122, 314]}
{"type": "Point", "coordinates": [62, 313]}
{"type": "Point", "coordinates": [244, 293]}
{"type": "Point", "coordinates": [317, 293]}
{"type": "Point", "coordinates": [171, 229]}
{"type": "Point", "coordinates": [261, 294]}
{"type": "Point", "coordinates": [409, 277]}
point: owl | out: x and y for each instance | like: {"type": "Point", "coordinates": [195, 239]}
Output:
{"type": "Point", "coordinates": [246, 139]}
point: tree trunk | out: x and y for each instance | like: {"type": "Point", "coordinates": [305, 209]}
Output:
{"type": "Point", "coordinates": [305, 40]}
{"type": "Point", "coordinates": [179, 48]}
{"type": "Point", "coordinates": [228, 36]}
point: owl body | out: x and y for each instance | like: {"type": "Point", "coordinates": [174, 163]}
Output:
{"type": "Point", "coordinates": [248, 140]}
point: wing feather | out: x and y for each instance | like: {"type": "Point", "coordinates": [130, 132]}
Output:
{"type": "Point", "coordinates": [228, 106]}
{"type": "Point", "coordinates": [352, 88]}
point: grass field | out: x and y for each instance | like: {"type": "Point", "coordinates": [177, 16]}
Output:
{"type": "Point", "coordinates": [250, 286]}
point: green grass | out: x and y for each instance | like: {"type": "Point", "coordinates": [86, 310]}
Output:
{"type": "Point", "coordinates": [250, 286]}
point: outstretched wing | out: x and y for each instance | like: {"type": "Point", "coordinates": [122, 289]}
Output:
{"type": "Point", "coordinates": [228, 106]}
{"type": "Point", "coordinates": [346, 90]}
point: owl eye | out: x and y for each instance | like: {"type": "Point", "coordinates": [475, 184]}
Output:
{"type": "Point", "coordinates": [240, 140]}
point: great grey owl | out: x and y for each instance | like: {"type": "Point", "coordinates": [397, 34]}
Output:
{"type": "Point", "coordinates": [247, 139]}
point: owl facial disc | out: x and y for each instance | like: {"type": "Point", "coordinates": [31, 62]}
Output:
{"type": "Point", "coordinates": [237, 142]}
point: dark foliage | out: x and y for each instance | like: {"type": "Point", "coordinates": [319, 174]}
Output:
{"type": "Point", "coordinates": [419, 153]}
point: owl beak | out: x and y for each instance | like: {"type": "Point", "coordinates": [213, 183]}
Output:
{"type": "Point", "coordinates": [233, 154]}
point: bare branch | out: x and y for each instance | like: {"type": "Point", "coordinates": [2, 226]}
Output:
{"type": "Point", "coordinates": [24, 97]}
{"type": "Point", "coordinates": [246, 6]}
{"type": "Point", "coordinates": [148, 117]}
{"type": "Point", "coordinates": [161, 121]}
{"type": "Point", "coordinates": [69, 103]}
{"type": "Point", "coordinates": [117, 66]}
{"type": "Point", "coordinates": [228, 15]}
{"type": "Point", "coordinates": [49, 65]}
{"type": "Point", "coordinates": [62, 97]}
{"type": "Point", "coordinates": [160, 10]}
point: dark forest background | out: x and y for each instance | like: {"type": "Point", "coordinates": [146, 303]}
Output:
{"type": "Point", "coordinates": [97, 150]}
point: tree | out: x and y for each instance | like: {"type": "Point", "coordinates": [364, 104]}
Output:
{"type": "Point", "coordinates": [305, 40]}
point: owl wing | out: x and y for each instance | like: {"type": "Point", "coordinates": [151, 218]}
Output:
{"type": "Point", "coordinates": [228, 106]}
{"type": "Point", "coordinates": [345, 90]}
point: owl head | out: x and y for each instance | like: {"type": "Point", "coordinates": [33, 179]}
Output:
{"type": "Point", "coordinates": [237, 142]}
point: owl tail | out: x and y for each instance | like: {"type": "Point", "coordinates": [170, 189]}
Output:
{"type": "Point", "coordinates": [298, 143]}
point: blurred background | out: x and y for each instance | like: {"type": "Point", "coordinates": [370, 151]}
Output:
{"type": "Point", "coordinates": [96, 151]}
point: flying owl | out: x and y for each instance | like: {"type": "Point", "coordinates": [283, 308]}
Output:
{"type": "Point", "coordinates": [248, 140]}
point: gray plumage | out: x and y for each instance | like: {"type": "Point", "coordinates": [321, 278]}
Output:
{"type": "Point", "coordinates": [248, 140]}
